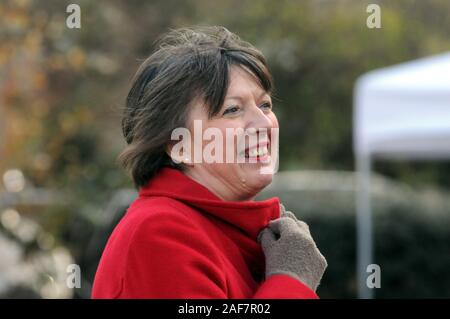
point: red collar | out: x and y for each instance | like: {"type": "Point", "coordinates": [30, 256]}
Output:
{"type": "Point", "coordinates": [249, 216]}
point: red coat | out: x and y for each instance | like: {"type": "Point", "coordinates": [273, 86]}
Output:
{"type": "Point", "coordinates": [179, 240]}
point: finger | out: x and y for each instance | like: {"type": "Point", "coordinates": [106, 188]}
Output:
{"type": "Point", "coordinates": [290, 215]}
{"type": "Point", "coordinates": [282, 225]}
{"type": "Point", "coordinates": [304, 227]}
{"type": "Point", "coordinates": [282, 210]}
{"type": "Point", "coordinates": [300, 223]}
{"type": "Point", "coordinates": [266, 237]}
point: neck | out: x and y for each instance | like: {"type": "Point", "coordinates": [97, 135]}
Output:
{"type": "Point", "coordinates": [220, 187]}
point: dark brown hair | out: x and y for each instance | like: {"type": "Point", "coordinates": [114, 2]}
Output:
{"type": "Point", "coordinates": [189, 63]}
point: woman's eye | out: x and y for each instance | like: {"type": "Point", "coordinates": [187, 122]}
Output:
{"type": "Point", "coordinates": [231, 110]}
{"type": "Point", "coordinates": [267, 106]}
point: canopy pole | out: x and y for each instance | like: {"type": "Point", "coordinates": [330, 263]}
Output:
{"type": "Point", "coordinates": [363, 224]}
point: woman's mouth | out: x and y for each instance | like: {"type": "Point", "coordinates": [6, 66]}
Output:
{"type": "Point", "coordinates": [258, 153]}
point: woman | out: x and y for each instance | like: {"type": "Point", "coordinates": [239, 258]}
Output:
{"type": "Point", "coordinates": [195, 230]}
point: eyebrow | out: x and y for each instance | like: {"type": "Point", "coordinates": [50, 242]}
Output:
{"type": "Point", "coordinates": [238, 97]}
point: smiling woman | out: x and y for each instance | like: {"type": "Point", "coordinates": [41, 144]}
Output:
{"type": "Point", "coordinates": [195, 230]}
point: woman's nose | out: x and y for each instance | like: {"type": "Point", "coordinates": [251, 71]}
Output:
{"type": "Point", "coordinates": [258, 119]}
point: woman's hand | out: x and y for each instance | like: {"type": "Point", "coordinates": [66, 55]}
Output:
{"type": "Point", "coordinates": [290, 249]}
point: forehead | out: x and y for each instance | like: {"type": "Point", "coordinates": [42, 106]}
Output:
{"type": "Point", "coordinates": [243, 83]}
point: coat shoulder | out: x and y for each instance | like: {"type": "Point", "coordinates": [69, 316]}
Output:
{"type": "Point", "coordinates": [156, 226]}
{"type": "Point", "coordinates": [158, 214]}
{"type": "Point", "coordinates": [145, 208]}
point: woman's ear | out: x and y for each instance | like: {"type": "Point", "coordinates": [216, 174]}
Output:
{"type": "Point", "coordinates": [179, 146]}
{"type": "Point", "coordinates": [179, 152]}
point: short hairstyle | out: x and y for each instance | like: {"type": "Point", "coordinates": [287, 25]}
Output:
{"type": "Point", "coordinates": [188, 63]}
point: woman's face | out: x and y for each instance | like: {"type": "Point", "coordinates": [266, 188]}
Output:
{"type": "Point", "coordinates": [246, 113]}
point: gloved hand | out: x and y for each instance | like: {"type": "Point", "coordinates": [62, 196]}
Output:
{"type": "Point", "coordinates": [289, 249]}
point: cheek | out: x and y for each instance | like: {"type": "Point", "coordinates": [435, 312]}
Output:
{"type": "Point", "coordinates": [224, 143]}
{"type": "Point", "coordinates": [223, 126]}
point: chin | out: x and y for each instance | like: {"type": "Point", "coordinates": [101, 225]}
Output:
{"type": "Point", "coordinates": [256, 180]}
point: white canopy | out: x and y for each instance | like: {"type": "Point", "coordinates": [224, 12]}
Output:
{"type": "Point", "coordinates": [404, 111]}
{"type": "Point", "coordinates": [401, 111]}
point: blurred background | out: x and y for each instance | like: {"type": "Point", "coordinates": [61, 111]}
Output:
{"type": "Point", "coordinates": [61, 96]}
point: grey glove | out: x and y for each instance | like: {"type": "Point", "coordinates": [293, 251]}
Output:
{"type": "Point", "coordinates": [286, 213]}
{"type": "Point", "coordinates": [289, 249]}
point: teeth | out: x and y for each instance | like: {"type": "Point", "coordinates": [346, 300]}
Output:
{"type": "Point", "coordinates": [262, 151]}
{"type": "Point", "coordinates": [258, 151]}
